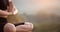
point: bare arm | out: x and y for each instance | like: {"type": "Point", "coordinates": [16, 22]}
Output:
{"type": "Point", "coordinates": [6, 13]}
{"type": "Point", "coordinates": [3, 13]}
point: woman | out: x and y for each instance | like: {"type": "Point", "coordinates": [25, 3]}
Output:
{"type": "Point", "coordinates": [9, 27]}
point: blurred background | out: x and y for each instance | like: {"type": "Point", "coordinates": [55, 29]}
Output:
{"type": "Point", "coordinates": [44, 14]}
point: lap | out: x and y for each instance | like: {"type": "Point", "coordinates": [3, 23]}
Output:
{"type": "Point", "coordinates": [26, 27]}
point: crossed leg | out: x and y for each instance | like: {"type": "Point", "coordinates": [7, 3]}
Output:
{"type": "Point", "coordinates": [27, 27]}
{"type": "Point", "coordinates": [9, 28]}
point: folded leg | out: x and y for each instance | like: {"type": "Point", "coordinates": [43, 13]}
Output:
{"type": "Point", "coordinates": [27, 27]}
{"type": "Point", "coordinates": [9, 28]}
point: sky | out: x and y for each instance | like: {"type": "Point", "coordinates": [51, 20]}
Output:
{"type": "Point", "coordinates": [33, 6]}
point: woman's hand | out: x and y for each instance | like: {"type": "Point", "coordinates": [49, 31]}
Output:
{"type": "Point", "coordinates": [12, 9]}
{"type": "Point", "coordinates": [15, 11]}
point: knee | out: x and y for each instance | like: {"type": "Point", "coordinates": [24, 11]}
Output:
{"type": "Point", "coordinates": [9, 28]}
{"type": "Point", "coordinates": [29, 25]}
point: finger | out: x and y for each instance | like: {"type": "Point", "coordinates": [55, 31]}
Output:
{"type": "Point", "coordinates": [10, 5]}
{"type": "Point", "coordinates": [15, 11]}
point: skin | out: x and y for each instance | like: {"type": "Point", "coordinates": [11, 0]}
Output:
{"type": "Point", "coordinates": [9, 27]}
{"type": "Point", "coordinates": [27, 27]}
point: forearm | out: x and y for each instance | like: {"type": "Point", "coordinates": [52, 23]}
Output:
{"type": "Point", "coordinates": [4, 16]}
{"type": "Point", "coordinates": [3, 13]}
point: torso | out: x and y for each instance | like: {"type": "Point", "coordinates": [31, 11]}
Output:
{"type": "Point", "coordinates": [3, 6]}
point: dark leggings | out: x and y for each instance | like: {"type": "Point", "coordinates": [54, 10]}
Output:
{"type": "Point", "coordinates": [3, 21]}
